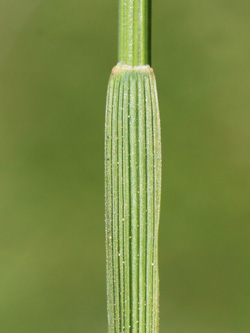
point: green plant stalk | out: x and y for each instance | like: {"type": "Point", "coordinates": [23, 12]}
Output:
{"type": "Point", "coordinates": [132, 179]}
{"type": "Point", "coordinates": [135, 32]}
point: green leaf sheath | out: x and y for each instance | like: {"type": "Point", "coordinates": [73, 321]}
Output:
{"type": "Point", "coordinates": [135, 32]}
{"type": "Point", "coordinates": [132, 200]}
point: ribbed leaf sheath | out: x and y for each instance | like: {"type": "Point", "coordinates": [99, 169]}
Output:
{"type": "Point", "coordinates": [132, 200]}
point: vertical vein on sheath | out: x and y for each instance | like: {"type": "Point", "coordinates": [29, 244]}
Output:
{"type": "Point", "coordinates": [115, 203]}
{"type": "Point", "coordinates": [126, 191]}
{"type": "Point", "coordinates": [142, 204]}
{"type": "Point", "coordinates": [121, 206]}
{"type": "Point", "coordinates": [150, 207]}
{"type": "Point", "coordinates": [157, 195]}
{"type": "Point", "coordinates": [108, 198]}
{"type": "Point", "coordinates": [134, 200]}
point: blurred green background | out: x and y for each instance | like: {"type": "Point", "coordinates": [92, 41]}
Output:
{"type": "Point", "coordinates": [55, 60]}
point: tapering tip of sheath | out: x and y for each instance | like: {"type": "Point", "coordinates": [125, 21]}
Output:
{"type": "Point", "coordinates": [121, 67]}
